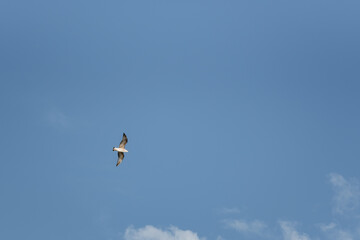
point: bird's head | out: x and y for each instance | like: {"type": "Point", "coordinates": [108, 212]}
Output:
{"type": "Point", "coordinates": [113, 148]}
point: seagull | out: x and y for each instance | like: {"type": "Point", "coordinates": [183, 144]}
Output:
{"type": "Point", "coordinates": [121, 149]}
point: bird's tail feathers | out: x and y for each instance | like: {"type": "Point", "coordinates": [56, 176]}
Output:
{"type": "Point", "coordinates": [118, 162]}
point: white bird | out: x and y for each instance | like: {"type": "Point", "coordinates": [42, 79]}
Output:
{"type": "Point", "coordinates": [121, 149]}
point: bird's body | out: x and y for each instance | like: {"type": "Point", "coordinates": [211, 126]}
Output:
{"type": "Point", "coordinates": [121, 149]}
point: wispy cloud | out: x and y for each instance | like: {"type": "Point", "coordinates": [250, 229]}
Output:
{"type": "Point", "coordinates": [225, 210]}
{"type": "Point", "coordinates": [346, 194]}
{"type": "Point", "coordinates": [253, 227]}
{"type": "Point", "coordinates": [290, 233]}
{"type": "Point", "coordinates": [57, 119]}
{"type": "Point", "coordinates": [345, 204]}
{"type": "Point", "coordinates": [327, 227]}
{"type": "Point", "coordinates": [343, 235]}
{"type": "Point", "coordinates": [333, 231]}
{"type": "Point", "coordinates": [152, 233]}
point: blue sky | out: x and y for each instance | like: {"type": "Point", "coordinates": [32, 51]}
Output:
{"type": "Point", "coordinates": [242, 118]}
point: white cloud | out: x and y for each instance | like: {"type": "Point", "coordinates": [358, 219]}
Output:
{"type": "Point", "coordinates": [347, 194]}
{"type": "Point", "coordinates": [344, 225]}
{"type": "Point", "coordinates": [255, 227]}
{"type": "Point", "coordinates": [152, 233]}
{"type": "Point", "coordinates": [290, 233]}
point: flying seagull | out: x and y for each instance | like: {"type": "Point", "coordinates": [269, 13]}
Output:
{"type": "Point", "coordinates": [121, 149]}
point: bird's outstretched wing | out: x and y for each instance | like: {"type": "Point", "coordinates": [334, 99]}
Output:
{"type": "Point", "coordinates": [123, 141]}
{"type": "Point", "coordinates": [120, 158]}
